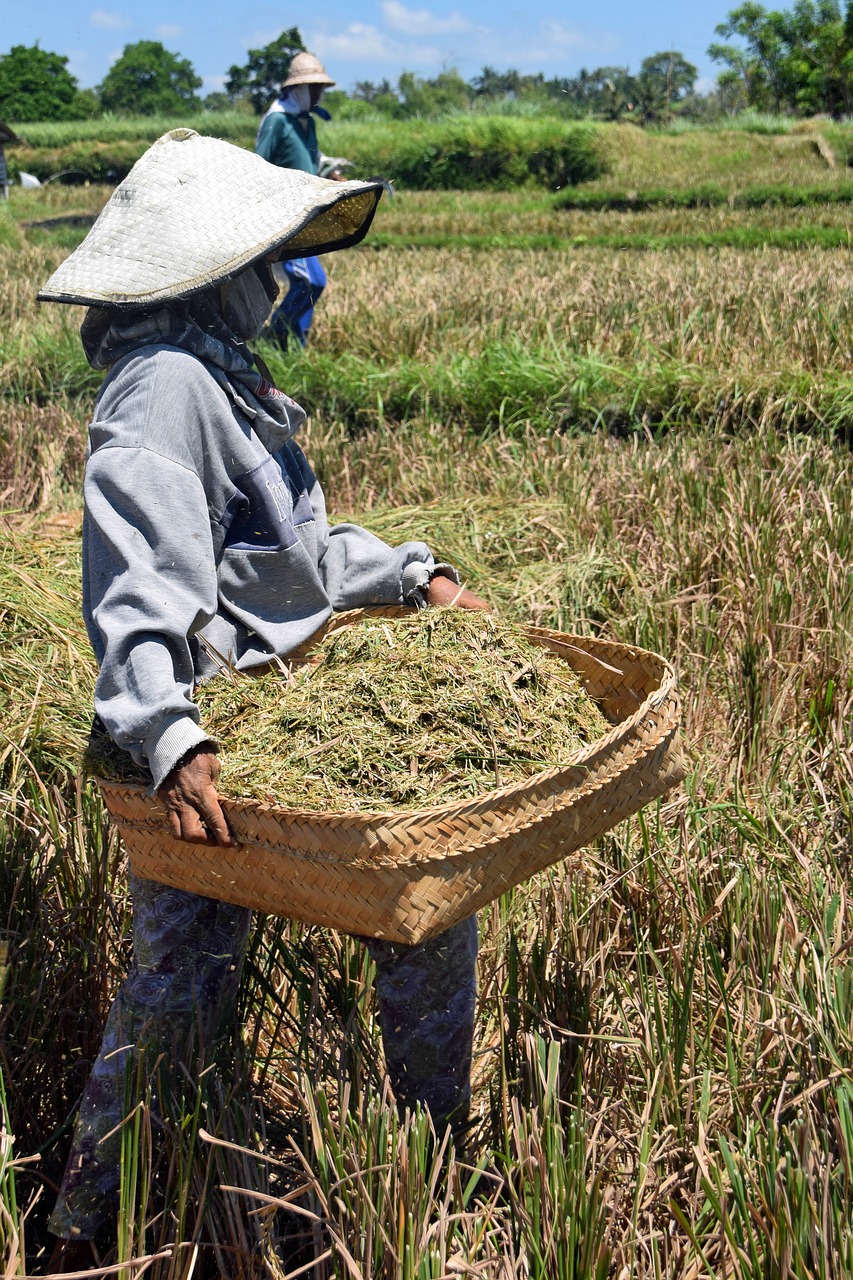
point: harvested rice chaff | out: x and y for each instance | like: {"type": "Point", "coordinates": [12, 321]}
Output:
{"type": "Point", "coordinates": [396, 714]}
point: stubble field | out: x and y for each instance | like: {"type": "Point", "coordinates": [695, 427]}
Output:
{"type": "Point", "coordinates": [644, 443]}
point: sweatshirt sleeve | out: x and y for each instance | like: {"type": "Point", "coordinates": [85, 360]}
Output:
{"type": "Point", "coordinates": [149, 586]}
{"type": "Point", "coordinates": [359, 569]}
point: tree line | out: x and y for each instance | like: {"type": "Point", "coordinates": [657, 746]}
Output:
{"type": "Point", "coordinates": [797, 61]}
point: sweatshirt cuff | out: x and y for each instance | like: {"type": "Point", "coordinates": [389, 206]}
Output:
{"type": "Point", "coordinates": [416, 578]}
{"type": "Point", "coordinates": [164, 748]}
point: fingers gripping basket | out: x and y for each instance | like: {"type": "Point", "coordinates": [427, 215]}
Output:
{"type": "Point", "coordinates": [406, 876]}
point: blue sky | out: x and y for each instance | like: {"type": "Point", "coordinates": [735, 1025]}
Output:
{"type": "Point", "coordinates": [374, 40]}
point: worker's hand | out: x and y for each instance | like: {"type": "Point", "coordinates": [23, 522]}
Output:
{"type": "Point", "coordinates": [443, 590]}
{"type": "Point", "coordinates": [188, 795]}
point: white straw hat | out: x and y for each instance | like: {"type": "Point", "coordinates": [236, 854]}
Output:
{"type": "Point", "coordinates": [194, 211]}
{"type": "Point", "coordinates": [306, 69]}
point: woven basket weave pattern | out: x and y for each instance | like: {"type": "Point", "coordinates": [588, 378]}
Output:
{"type": "Point", "coordinates": [407, 876]}
{"type": "Point", "coordinates": [194, 211]}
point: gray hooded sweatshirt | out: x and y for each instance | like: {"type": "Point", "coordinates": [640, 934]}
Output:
{"type": "Point", "coordinates": [205, 540]}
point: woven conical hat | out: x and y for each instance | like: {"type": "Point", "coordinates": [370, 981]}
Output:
{"type": "Point", "coordinates": [306, 69]}
{"type": "Point", "coordinates": [194, 211]}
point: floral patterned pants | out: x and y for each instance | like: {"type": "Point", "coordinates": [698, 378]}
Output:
{"type": "Point", "coordinates": [187, 955]}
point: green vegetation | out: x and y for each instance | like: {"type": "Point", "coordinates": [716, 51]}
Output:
{"type": "Point", "coordinates": [708, 195]}
{"type": "Point", "coordinates": [465, 152]}
{"type": "Point", "coordinates": [733, 237]}
{"type": "Point", "coordinates": [647, 444]}
{"type": "Point", "coordinates": [147, 80]}
{"type": "Point", "coordinates": [796, 62]}
{"type": "Point", "coordinates": [610, 161]}
{"type": "Point", "coordinates": [37, 85]}
{"type": "Point", "coordinates": [233, 126]}
{"type": "Point", "coordinates": [798, 59]}
{"type": "Point", "coordinates": [265, 71]}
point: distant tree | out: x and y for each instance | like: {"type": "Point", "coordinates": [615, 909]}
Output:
{"type": "Point", "coordinates": [663, 81]}
{"type": "Point", "coordinates": [220, 101]}
{"type": "Point", "coordinates": [37, 85]}
{"type": "Point", "coordinates": [367, 91]}
{"type": "Point", "coordinates": [448, 92]}
{"type": "Point", "coordinates": [610, 92]}
{"type": "Point", "coordinates": [147, 80]}
{"type": "Point", "coordinates": [260, 79]}
{"type": "Point", "coordinates": [498, 84]}
{"type": "Point", "coordinates": [579, 91]}
{"type": "Point", "coordinates": [672, 70]}
{"type": "Point", "coordinates": [798, 60]}
{"type": "Point", "coordinates": [86, 104]}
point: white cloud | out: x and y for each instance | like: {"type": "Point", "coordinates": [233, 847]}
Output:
{"type": "Point", "coordinates": [420, 22]}
{"type": "Point", "coordinates": [557, 33]}
{"type": "Point", "coordinates": [367, 51]}
{"type": "Point", "coordinates": [213, 84]}
{"type": "Point", "coordinates": [553, 47]}
{"type": "Point", "coordinates": [169, 31]}
{"type": "Point", "coordinates": [108, 20]}
{"type": "Point", "coordinates": [366, 44]}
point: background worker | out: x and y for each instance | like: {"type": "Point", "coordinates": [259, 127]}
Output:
{"type": "Point", "coordinates": [287, 137]}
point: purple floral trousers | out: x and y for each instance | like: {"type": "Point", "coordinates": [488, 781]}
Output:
{"type": "Point", "coordinates": [188, 953]}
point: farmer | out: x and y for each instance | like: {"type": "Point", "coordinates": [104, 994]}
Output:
{"type": "Point", "coordinates": [205, 534]}
{"type": "Point", "coordinates": [287, 137]}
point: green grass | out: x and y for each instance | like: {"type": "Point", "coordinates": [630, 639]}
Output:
{"type": "Point", "coordinates": [709, 196]}
{"type": "Point", "coordinates": [745, 122]}
{"type": "Point", "coordinates": [802, 237]}
{"type": "Point", "coordinates": [235, 126]}
{"type": "Point", "coordinates": [459, 152]}
{"type": "Point", "coordinates": [498, 151]}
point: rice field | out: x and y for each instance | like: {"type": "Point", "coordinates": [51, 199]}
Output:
{"type": "Point", "coordinates": [647, 445]}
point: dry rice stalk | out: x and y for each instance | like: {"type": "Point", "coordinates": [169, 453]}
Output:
{"type": "Point", "coordinates": [394, 713]}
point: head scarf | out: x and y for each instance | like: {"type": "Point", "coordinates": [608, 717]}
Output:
{"type": "Point", "coordinates": [296, 101]}
{"type": "Point", "coordinates": [211, 326]}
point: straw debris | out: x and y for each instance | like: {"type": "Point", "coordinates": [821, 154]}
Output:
{"type": "Point", "coordinates": [395, 713]}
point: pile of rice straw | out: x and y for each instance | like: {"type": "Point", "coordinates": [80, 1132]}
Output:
{"type": "Point", "coordinates": [392, 714]}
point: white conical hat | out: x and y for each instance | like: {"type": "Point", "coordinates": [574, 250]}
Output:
{"type": "Point", "coordinates": [194, 211]}
{"type": "Point", "coordinates": [306, 69]}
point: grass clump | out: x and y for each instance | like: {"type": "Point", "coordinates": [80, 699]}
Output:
{"type": "Point", "coordinates": [709, 195]}
{"type": "Point", "coordinates": [460, 152]}
{"type": "Point", "coordinates": [395, 713]}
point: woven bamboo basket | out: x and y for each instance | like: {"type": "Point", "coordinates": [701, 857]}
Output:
{"type": "Point", "coordinates": [406, 876]}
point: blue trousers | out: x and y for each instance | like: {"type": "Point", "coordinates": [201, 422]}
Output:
{"type": "Point", "coordinates": [306, 280]}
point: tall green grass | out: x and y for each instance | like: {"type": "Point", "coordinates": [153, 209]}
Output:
{"type": "Point", "coordinates": [710, 196]}
{"type": "Point", "coordinates": [234, 126]}
{"type": "Point", "coordinates": [471, 152]}
{"type": "Point", "coordinates": [801, 237]}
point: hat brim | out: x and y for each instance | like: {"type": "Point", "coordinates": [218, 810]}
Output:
{"type": "Point", "coordinates": [308, 78]}
{"type": "Point", "coordinates": [185, 220]}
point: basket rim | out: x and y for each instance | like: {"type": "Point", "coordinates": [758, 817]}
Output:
{"type": "Point", "coordinates": [624, 728]}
